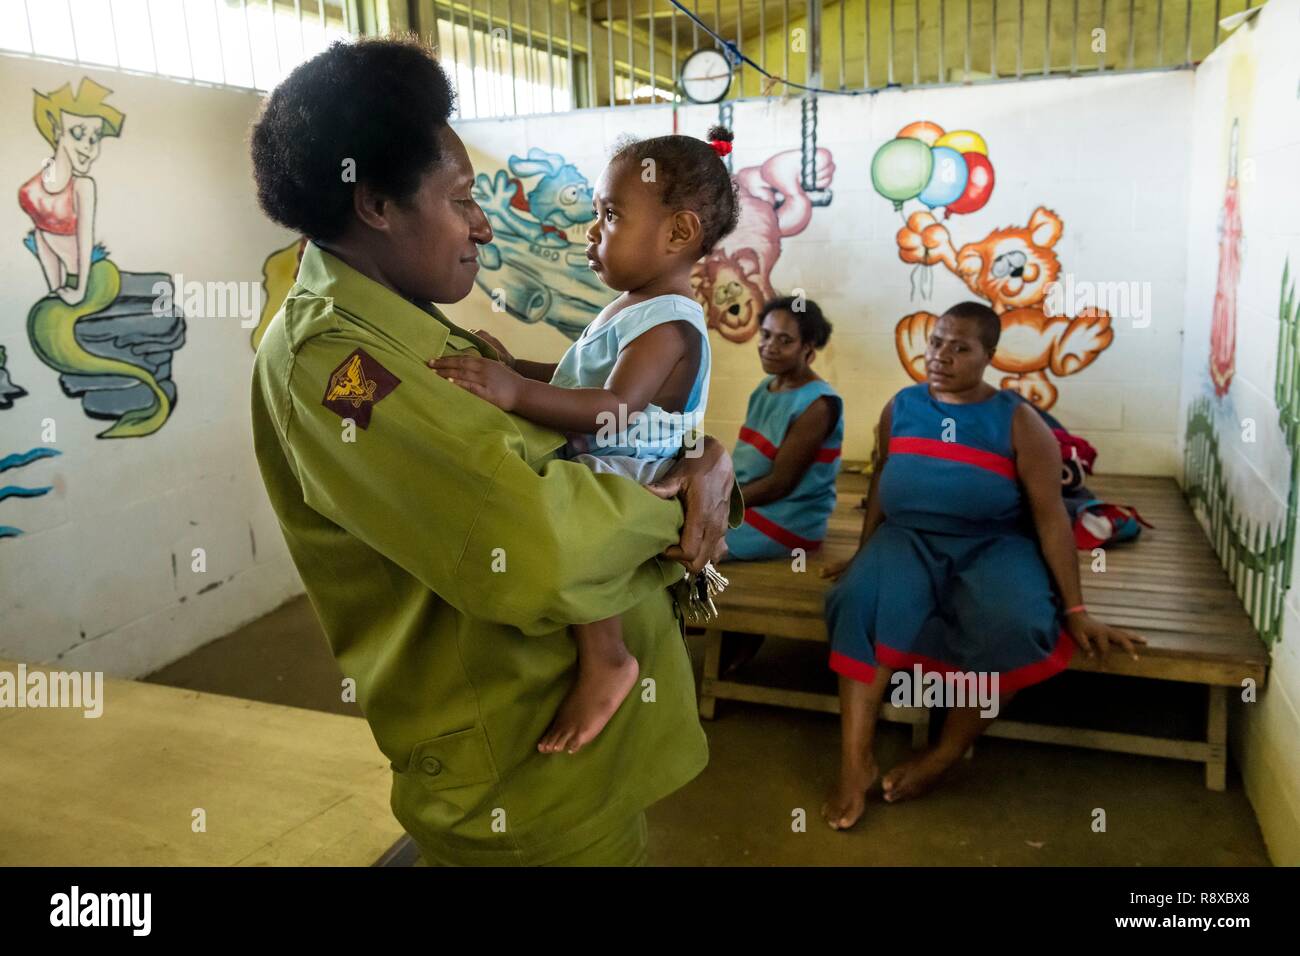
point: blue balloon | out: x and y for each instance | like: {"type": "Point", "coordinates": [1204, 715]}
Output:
{"type": "Point", "coordinates": [947, 180]}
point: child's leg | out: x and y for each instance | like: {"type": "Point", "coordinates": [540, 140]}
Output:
{"type": "Point", "coordinates": [914, 776]}
{"type": "Point", "coordinates": [859, 710]}
{"type": "Point", "coordinates": [607, 671]}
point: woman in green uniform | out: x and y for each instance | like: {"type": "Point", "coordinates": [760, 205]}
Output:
{"type": "Point", "coordinates": [443, 544]}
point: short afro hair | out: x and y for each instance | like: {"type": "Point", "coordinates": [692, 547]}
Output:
{"type": "Point", "coordinates": [691, 175]}
{"type": "Point", "coordinates": [989, 326]}
{"type": "Point", "coordinates": [813, 327]}
{"type": "Point", "coordinates": [379, 102]}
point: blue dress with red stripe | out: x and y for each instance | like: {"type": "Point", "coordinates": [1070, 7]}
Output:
{"type": "Point", "coordinates": [953, 578]}
{"type": "Point", "coordinates": [798, 520]}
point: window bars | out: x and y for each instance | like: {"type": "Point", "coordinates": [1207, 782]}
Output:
{"type": "Point", "coordinates": [542, 56]}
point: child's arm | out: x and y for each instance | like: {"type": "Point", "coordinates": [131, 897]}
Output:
{"type": "Point", "coordinates": [537, 371]}
{"type": "Point", "coordinates": [643, 366]}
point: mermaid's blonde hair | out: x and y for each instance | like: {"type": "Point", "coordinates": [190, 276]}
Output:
{"type": "Point", "coordinates": [89, 101]}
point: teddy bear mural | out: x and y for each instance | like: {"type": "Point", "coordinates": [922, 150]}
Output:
{"type": "Point", "coordinates": [1013, 268]}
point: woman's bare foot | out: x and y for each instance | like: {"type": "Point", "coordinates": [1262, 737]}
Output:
{"type": "Point", "coordinates": [916, 775]}
{"type": "Point", "coordinates": [847, 800]}
{"type": "Point", "coordinates": [602, 685]}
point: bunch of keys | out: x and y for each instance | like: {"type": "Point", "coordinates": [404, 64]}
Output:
{"type": "Point", "coordinates": [695, 593]}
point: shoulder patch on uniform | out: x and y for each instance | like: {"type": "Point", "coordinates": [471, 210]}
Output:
{"type": "Point", "coordinates": [357, 385]}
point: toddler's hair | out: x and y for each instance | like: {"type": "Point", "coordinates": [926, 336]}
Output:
{"type": "Point", "coordinates": [690, 175]}
{"type": "Point", "coordinates": [813, 327]}
{"type": "Point", "coordinates": [990, 326]}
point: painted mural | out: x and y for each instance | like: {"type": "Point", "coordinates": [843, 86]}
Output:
{"type": "Point", "coordinates": [538, 274]}
{"type": "Point", "coordinates": [1230, 228]}
{"type": "Point", "coordinates": [1257, 552]}
{"type": "Point", "coordinates": [279, 273]}
{"type": "Point", "coordinates": [1012, 268]}
{"type": "Point", "coordinates": [734, 280]}
{"type": "Point", "coordinates": [9, 392]}
{"type": "Point", "coordinates": [1223, 319]}
{"type": "Point", "coordinates": [7, 491]}
{"type": "Point", "coordinates": [1258, 555]}
{"type": "Point", "coordinates": [541, 275]}
{"type": "Point", "coordinates": [98, 327]}
{"type": "Point", "coordinates": [544, 276]}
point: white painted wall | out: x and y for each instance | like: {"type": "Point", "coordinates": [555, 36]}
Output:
{"type": "Point", "coordinates": [1109, 155]}
{"type": "Point", "coordinates": [1253, 78]}
{"type": "Point", "coordinates": [91, 580]}
{"type": "Point", "coordinates": [101, 577]}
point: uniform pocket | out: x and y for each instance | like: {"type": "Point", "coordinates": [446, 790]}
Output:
{"type": "Point", "coordinates": [459, 759]}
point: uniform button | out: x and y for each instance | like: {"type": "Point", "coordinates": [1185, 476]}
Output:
{"type": "Point", "coordinates": [431, 765]}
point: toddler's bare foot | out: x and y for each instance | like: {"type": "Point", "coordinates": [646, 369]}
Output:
{"type": "Point", "coordinates": [602, 685]}
{"type": "Point", "coordinates": [847, 799]}
{"type": "Point", "coordinates": [916, 775]}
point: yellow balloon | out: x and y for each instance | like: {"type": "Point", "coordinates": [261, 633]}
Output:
{"type": "Point", "coordinates": [964, 141]}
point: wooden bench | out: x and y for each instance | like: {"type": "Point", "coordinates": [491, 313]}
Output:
{"type": "Point", "coordinates": [1167, 586]}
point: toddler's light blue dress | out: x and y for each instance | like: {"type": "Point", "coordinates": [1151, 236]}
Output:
{"type": "Point", "coordinates": [640, 446]}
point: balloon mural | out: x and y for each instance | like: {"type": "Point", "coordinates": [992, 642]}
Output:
{"type": "Point", "coordinates": [923, 162]}
{"type": "Point", "coordinates": [937, 168]}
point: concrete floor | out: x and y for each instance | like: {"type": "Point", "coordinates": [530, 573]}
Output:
{"type": "Point", "coordinates": [1013, 804]}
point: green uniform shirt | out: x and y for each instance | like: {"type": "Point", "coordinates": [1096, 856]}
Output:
{"type": "Point", "coordinates": [446, 550]}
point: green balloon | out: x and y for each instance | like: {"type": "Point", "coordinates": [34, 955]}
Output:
{"type": "Point", "coordinates": [901, 169]}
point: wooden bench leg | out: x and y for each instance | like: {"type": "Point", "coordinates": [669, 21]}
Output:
{"type": "Point", "coordinates": [1216, 735]}
{"type": "Point", "coordinates": [712, 662]}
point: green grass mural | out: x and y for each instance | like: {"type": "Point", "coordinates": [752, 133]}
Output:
{"type": "Point", "coordinates": [1258, 556]}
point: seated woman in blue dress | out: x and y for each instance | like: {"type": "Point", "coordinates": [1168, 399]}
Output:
{"type": "Point", "coordinates": [788, 454]}
{"type": "Point", "coordinates": [964, 536]}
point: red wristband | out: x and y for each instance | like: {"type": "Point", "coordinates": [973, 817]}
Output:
{"type": "Point", "coordinates": [1075, 610]}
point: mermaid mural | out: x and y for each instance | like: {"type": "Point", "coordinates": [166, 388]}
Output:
{"type": "Point", "coordinates": [98, 327]}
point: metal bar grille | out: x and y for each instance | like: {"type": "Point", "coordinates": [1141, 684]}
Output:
{"type": "Point", "coordinates": [502, 70]}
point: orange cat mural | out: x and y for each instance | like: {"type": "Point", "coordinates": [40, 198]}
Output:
{"type": "Point", "coordinates": [1012, 269]}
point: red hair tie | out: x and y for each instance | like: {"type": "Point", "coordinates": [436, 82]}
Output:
{"type": "Point", "coordinates": [720, 146]}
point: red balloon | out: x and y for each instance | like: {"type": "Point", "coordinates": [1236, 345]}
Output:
{"type": "Point", "coordinates": [979, 185]}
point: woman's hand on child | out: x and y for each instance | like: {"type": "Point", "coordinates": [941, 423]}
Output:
{"type": "Point", "coordinates": [1090, 633]}
{"type": "Point", "coordinates": [502, 352]}
{"type": "Point", "coordinates": [487, 379]}
{"type": "Point", "coordinates": [704, 482]}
